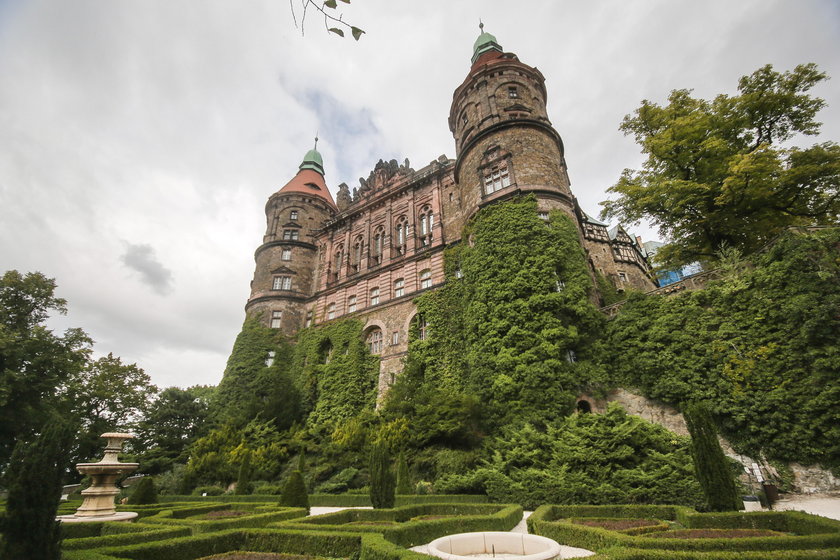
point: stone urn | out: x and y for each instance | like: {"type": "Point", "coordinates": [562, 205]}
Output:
{"type": "Point", "coordinates": [98, 500]}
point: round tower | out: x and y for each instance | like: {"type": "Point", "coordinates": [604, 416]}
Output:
{"type": "Point", "coordinates": [287, 261]}
{"type": "Point", "coordinates": [504, 142]}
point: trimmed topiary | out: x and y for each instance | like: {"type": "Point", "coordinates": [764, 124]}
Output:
{"type": "Point", "coordinates": [243, 483]}
{"type": "Point", "coordinates": [294, 493]}
{"type": "Point", "coordinates": [382, 481]}
{"type": "Point", "coordinates": [145, 492]}
{"type": "Point", "coordinates": [403, 478]}
{"type": "Point", "coordinates": [710, 464]}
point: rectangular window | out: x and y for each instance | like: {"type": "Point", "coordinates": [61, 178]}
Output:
{"type": "Point", "coordinates": [513, 93]}
{"type": "Point", "coordinates": [496, 178]}
{"type": "Point", "coordinates": [282, 283]}
{"type": "Point", "coordinates": [622, 276]}
{"type": "Point", "coordinates": [399, 288]}
{"type": "Point", "coordinates": [290, 234]}
{"type": "Point", "coordinates": [351, 304]}
{"type": "Point", "coordinates": [374, 296]}
{"type": "Point", "coordinates": [395, 338]}
{"type": "Point", "coordinates": [331, 311]}
{"type": "Point", "coordinates": [293, 215]}
{"type": "Point", "coordinates": [542, 215]}
{"type": "Point", "coordinates": [571, 357]}
{"type": "Point", "coordinates": [425, 279]}
{"type": "Point", "coordinates": [308, 319]}
{"type": "Point", "coordinates": [269, 360]}
{"type": "Point", "coordinates": [286, 255]}
{"type": "Point", "coordinates": [276, 316]}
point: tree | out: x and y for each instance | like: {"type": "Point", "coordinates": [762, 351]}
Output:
{"type": "Point", "coordinates": [717, 173]}
{"type": "Point", "coordinates": [35, 364]}
{"type": "Point", "coordinates": [145, 492]}
{"type": "Point", "coordinates": [294, 492]}
{"type": "Point", "coordinates": [710, 464]}
{"type": "Point", "coordinates": [243, 482]}
{"type": "Point", "coordinates": [34, 481]}
{"type": "Point", "coordinates": [382, 482]}
{"type": "Point", "coordinates": [403, 478]}
{"type": "Point", "coordinates": [108, 396]}
{"type": "Point", "coordinates": [173, 421]}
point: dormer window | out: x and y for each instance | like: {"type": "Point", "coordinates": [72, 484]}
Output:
{"type": "Point", "coordinates": [313, 186]}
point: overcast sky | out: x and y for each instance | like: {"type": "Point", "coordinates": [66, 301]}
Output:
{"type": "Point", "coordinates": [140, 139]}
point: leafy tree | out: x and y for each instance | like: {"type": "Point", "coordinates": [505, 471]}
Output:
{"type": "Point", "coordinates": [145, 492]}
{"type": "Point", "coordinates": [403, 478]}
{"type": "Point", "coordinates": [294, 492]}
{"type": "Point", "coordinates": [170, 425]}
{"type": "Point", "coordinates": [710, 464]}
{"type": "Point", "coordinates": [35, 482]}
{"type": "Point", "coordinates": [107, 396]}
{"type": "Point", "coordinates": [382, 481]}
{"type": "Point", "coordinates": [719, 173]}
{"type": "Point", "coordinates": [35, 364]}
{"type": "Point", "coordinates": [243, 482]}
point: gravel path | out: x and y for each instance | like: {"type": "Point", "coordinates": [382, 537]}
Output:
{"type": "Point", "coordinates": [819, 504]}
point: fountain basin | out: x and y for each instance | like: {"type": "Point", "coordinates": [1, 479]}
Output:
{"type": "Point", "coordinates": [494, 544]}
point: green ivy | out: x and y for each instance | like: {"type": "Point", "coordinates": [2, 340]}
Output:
{"type": "Point", "coordinates": [759, 347]}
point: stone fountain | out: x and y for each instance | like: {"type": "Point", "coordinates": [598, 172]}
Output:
{"type": "Point", "coordinates": [98, 503]}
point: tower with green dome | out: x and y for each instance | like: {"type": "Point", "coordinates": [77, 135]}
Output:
{"type": "Point", "coordinates": [504, 141]}
{"type": "Point", "coordinates": [287, 260]}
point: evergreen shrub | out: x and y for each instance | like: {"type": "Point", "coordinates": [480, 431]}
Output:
{"type": "Point", "coordinates": [294, 493]}
{"type": "Point", "coordinates": [382, 481]}
{"type": "Point", "coordinates": [145, 492]}
{"type": "Point", "coordinates": [710, 464]}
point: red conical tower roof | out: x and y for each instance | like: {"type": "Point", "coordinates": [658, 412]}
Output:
{"type": "Point", "coordinates": [310, 179]}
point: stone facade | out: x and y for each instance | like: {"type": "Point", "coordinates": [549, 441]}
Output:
{"type": "Point", "coordinates": [368, 254]}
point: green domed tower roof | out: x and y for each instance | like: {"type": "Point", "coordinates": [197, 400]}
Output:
{"type": "Point", "coordinates": [485, 42]}
{"type": "Point", "coordinates": [313, 160]}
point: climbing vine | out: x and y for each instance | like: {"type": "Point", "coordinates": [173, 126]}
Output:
{"type": "Point", "coordinates": [759, 347]}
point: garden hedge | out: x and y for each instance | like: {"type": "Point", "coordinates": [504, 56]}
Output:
{"type": "Point", "coordinates": [180, 517]}
{"type": "Point", "coordinates": [814, 533]}
{"type": "Point", "coordinates": [337, 500]}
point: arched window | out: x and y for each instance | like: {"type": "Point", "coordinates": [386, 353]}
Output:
{"type": "Point", "coordinates": [351, 304]}
{"type": "Point", "coordinates": [377, 245]}
{"type": "Point", "coordinates": [358, 249]}
{"type": "Point", "coordinates": [338, 259]}
{"type": "Point", "coordinates": [419, 328]}
{"type": "Point", "coordinates": [331, 311]}
{"type": "Point", "coordinates": [400, 235]}
{"type": "Point", "coordinates": [426, 225]}
{"type": "Point", "coordinates": [374, 341]}
{"type": "Point", "coordinates": [374, 296]}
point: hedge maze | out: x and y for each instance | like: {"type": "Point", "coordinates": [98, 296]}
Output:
{"type": "Point", "coordinates": [187, 529]}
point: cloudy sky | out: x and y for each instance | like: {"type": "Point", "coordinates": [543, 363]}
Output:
{"type": "Point", "coordinates": [140, 139]}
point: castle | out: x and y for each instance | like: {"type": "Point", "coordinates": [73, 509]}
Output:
{"type": "Point", "coordinates": [368, 254]}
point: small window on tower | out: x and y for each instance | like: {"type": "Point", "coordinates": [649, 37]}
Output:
{"type": "Point", "coordinates": [276, 317]}
{"type": "Point", "coordinates": [542, 216]}
{"type": "Point", "coordinates": [290, 234]}
{"type": "Point", "coordinates": [496, 178]}
{"type": "Point", "coordinates": [622, 276]}
{"type": "Point", "coordinates": [286, 255]}
{"type": "Point", "coordinates": [282, 283]}
{"type": "Point", "coordinates": [293, 215]}
{"type": "Point", "coordinates": [513, 93]}
{"type": "Point", "coordinates": [269, 360]}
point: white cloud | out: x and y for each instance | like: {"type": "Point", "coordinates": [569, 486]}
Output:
{"type": "Point", "coordinates": [167, 123]}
